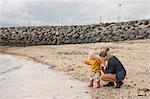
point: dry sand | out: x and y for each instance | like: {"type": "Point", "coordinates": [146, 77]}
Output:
{"type": "Point", "coordinates": [135, 55]}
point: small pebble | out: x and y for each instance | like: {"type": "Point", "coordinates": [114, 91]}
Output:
{"type": "Point", "coordinates": [134, 84]}
{"type": "Point", "coordinates": [144, 89]}
{"type": "Point", "coordinates": [72, 69]}
{"type": "Point", "coordinates": [141, 93]}
{"type": "Point", "coordinates": [128, 85]}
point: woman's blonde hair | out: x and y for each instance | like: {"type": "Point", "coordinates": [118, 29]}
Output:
{"type": "Point", "coordinates": [105, 53]}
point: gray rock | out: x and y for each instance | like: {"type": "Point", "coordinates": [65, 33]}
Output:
{"type": "Point", "coordinates": [104, 32]}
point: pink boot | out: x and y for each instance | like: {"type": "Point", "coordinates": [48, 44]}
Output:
{"type": "Point", "coordinates": [90, 83]}
{"type": "Point", "coordinates": [98, 84]}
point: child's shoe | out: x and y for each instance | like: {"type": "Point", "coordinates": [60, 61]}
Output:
{"type": "Point", "coordinates": [97, 84]}
{"type": "Point", "coordinates": [91, 83]}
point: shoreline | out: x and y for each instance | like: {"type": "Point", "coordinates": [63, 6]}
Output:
{"type": "Point", "coordinates": [34, 59]}
{"type": "Point", "coordinates": [67, 58]}
{"type": "Point", "coordinates": [39, 82]}
{"type": "Point", "coordinates": [134, 55]}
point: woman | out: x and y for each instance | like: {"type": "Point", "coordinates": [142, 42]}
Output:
{"type": "Point", "coordinates": [114, 71]}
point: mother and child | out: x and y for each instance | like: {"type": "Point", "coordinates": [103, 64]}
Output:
{"type": "Point", "coordinates": [106, 67]}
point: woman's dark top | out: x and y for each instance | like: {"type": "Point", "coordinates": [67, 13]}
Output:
{"type": "Point", "coordinates": [116, 67]}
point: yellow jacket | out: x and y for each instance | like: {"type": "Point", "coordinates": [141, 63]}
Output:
{"type": "Point", "coordinates": [95, 64]}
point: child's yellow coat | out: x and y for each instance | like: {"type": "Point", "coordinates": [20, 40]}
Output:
{"type": "Point", "coordinates": [95, 64]}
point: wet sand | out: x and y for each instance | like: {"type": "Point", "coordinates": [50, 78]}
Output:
{"type": "Point", "coordinates": [135, 56]}
{"type": "Point", "coordinates": [22, 79]}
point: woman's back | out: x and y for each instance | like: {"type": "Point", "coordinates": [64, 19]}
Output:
{"type": "Point", "coordinates": [114, 65]}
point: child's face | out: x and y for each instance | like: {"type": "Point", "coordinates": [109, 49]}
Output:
{"type": "Point", "coordinates": [103, 58]}
{"type": "Point", "coordinates": [93, 56]}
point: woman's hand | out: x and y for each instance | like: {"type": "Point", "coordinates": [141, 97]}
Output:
{"type": "Point", "coordinates": [103, 69]}
{"type": "Point", "coordinates": [102, 72]}
{"type": "Point", "coordinates": [103, 66]}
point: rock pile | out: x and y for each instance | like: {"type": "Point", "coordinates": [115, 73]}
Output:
{"type": "Point", "coordinates": [55, 35]}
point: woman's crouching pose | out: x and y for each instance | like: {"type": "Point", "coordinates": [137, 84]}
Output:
{"type": "Point", "coordinates": [114, 71]}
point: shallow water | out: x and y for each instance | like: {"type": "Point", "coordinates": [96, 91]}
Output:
{"type": "Point", "coordinates": [22, 79]}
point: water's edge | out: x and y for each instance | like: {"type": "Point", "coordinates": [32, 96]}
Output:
{"type": "Point", "coordinates": [35, 80]}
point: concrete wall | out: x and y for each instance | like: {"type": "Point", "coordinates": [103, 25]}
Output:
{"type": "Point", "coordinates": [105, 32]}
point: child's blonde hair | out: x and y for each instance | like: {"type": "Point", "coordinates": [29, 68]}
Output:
{"type": "Point", "coordinates": [92, 54]}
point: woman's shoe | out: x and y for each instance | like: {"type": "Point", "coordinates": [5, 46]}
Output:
{"type": "Point", "coordinates": [119, 84]}
{"type": "Point", "coordinates": [109, 84]}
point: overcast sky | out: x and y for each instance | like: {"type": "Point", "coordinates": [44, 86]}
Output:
{"type": "Point", "coordinates": [70, 12]}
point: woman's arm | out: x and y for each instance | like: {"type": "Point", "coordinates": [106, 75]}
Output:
{"type": "Point", "coordinates": [104, 70]}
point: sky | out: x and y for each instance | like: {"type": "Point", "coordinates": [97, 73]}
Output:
{"type": "Point", "coordinates": [71, 12]}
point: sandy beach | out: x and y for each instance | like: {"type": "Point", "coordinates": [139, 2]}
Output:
{"type": "Point", "coordinates": [25, 79]}
{"type": "Point", "coordinates": [135, 56]}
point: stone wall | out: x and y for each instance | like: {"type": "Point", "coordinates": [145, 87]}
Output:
{"type": "Point", "coordinates": [105, 32]}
